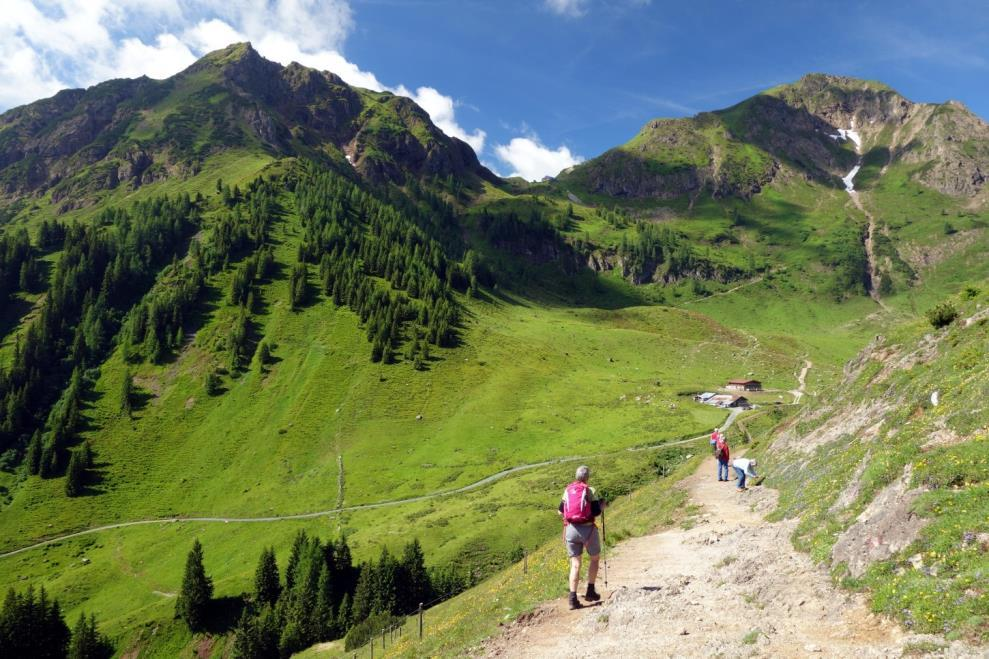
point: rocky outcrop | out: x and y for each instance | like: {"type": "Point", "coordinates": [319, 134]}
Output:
{"type": "Point", "coordinates": [886, 527]}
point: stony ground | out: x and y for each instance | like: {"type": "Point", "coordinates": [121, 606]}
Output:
{"type": "Point", "coordinates": [730, 585]}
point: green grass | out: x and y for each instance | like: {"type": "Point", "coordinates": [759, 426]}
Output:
{"type": "Point", "coordinates": [943, 595]}
{"type": "Point", "coordinates": [528, 383]}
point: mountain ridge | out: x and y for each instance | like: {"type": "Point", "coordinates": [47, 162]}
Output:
{"type": "Point", "coordinates": [793, 129]}
{"type": "Point", "coordinates": [79, 143]}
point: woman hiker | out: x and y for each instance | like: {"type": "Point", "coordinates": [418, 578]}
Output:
{"type": "Point", "coordinates": [579, 507]}
{"type": "Point", "coordinates": [722, 453]}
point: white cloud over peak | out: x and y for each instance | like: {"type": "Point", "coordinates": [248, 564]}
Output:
{"type": "Point", "coordinates": [530, 159]}
{"type": "Point", "coordinates": [441, 110]}
{"type": "Point", "coordinates": [47, 45]}
{"type": "Point", "coordinates": [574, 8]}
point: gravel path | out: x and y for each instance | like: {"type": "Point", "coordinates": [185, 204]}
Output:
{"type": "Point", "coordinates": [731, 585]}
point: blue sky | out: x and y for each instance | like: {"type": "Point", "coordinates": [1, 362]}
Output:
{"type": "Point", "coordinates": [533, 85]}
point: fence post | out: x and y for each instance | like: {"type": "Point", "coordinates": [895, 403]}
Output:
{"type": "Point", "coordinates": [420, 621]}
{"type": "Point", "coordinates": [372, 647]}
{"type": "Point", "coordinates": [382, 639]}
{"type": "Point", "coordinates": [525, 562]}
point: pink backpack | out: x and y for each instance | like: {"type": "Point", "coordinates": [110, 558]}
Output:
{"type": "Point", "coordinates": [577, 503]}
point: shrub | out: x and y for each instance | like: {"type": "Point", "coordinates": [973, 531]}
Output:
{"type": "Point", "coordinates": [942, 315]}
{"type": "Point", "coordinates": [212, 384]}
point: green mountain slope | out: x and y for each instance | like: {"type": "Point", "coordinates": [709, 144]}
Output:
{"type": "Point", "coordinates": [793, 131]}
{"type": "Point", "coordinates": [74, 148]}
{"type": "Point", "coordinates": [268, 301]}
{"type": "Point", "coordinates": [887, 474]}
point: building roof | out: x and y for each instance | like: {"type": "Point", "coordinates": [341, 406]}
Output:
{"type": "Point", "coordinates": [706, 395]}
{"type": "Point", "coordinates": [743, 382]}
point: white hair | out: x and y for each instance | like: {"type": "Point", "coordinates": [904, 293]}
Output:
{"type": "Point", "coordinates": [583, 473]}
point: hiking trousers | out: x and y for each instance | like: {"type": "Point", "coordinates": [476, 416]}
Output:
{"type": "Point", "coordinates": [722, 470]}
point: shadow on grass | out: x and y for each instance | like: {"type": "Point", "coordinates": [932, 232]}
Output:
{"type": "Point", "coordinates": [224, 614]}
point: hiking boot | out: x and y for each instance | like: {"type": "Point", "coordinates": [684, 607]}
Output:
{"type": "Point", "coordinates": [592, 595]}
{"type": "Point", "coordinates": [574, 602]}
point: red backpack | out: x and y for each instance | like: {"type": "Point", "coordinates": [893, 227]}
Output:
{"type": "Point", "coordinates": [577, 503]}
{"type": "Point", "coordinates": [721, 450]}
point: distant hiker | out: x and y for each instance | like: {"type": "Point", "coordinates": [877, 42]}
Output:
{"type": "Point", "coordinates": [715, 436]}
{"type": "Point", "coordinates": [579, 506]}
{"type": "Point", "coordinates": [744, 467]}
{"type": "Point", "coordinates": [723, 454]}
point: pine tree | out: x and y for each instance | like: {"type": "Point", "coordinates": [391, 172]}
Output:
{"type": "Point", "coordinates": [324, 605]}
{"type": "Point", "coordinates": [75, 475]}
{"type": "Point", "coordinates": [416, 587]}
{"type": "Point", "coordinates": [386, 584]}
{"type": "Point", "coordinates": [364, 594]}
{"type": "Point", "coordinates": [246, 637]}
{"type": "Point", "coordinates": [87, 642]}
{"type": "Point", "coordinates": [86, 453]}
{"type": "Point", "coordinates": [343, 615]}
{"type": "Point", "coordinates": [32, 627]}
{"type": "Point", "coordinates": [266, 581]}
{"type": "Point", "coordinates": [32, 457]}
{"type": "Point", "coordinates": [212, 384]}
{"type": "Point", "coordinates": [196, 592]}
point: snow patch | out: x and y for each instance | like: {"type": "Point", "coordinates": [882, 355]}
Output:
{"type": "Point", "coordinates": [849, 186]}
{"type": "Point", "coordinates": [851, 134]}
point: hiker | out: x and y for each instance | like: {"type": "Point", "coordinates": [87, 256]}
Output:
{"type": "Point", "coordinates": [723, 454]}
{"type": "Point", "coordinates": [715, 436]}
{"type": "Point", "coordinates": [579, 506]}
{"type": "Point", "coordinates": [744, 467]}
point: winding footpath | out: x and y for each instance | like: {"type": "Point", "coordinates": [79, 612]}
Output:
{"type": "Point", "coordinates": [726, 584]}
{"type": "Point", "coordinates": [799, 392]}
{"type": "Point", "coordinates": [363, 506]}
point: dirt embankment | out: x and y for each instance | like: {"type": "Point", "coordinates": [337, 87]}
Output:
{"type": "Point", "coordinates": [730, 585]}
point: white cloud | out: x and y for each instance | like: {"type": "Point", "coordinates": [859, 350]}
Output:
{"type": "Point", "coordinates": [531, 160]}
{"type": "Point", "coordinates": [214, 34]}
{"type": "Point", "coordinates": [47, 45]}
{"type": "Point", "coordinates": [134, 58]}
{"type": "Point", "coordinates": [573, 8]}
{"type": "Point", "coordinates": [441, 110]}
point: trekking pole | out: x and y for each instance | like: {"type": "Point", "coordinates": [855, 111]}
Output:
{"type": "Point", "coordinates": [604, 546]}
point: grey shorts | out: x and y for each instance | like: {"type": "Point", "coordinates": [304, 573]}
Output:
{"type": "Point", "coordinates": [581, 537]}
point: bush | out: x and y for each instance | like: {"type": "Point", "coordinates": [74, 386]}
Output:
{"type": "Point", "coordinates": [212, 384]}
{"type": "Point", "coordinates": [942, 315]}
{"type": "Point", "coordinates": [364, 631]}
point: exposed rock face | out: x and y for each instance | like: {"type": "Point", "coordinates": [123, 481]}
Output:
{"type": "Point", "coordinates": [885, 527]}
{"type": "Point", "coordinates": [137, 131]}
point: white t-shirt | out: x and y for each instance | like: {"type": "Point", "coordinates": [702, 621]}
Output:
{"type": "Point", "coordinates": [745, 465]}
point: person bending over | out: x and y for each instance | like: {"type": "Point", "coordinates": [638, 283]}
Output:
{"type": "Point", "coordinates": [744, 467]}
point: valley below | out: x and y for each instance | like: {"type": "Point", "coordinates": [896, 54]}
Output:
{"type": "Point", "coordinates": [283, 340]}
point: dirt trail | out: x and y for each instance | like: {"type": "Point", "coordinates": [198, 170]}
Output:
{"type": "Point", "coordinates": [798, 393]}
{"type": "Point", "coordinates": [730, 586]}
